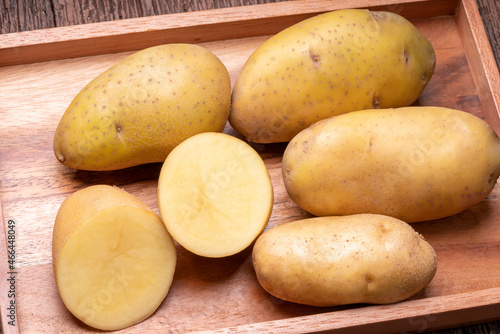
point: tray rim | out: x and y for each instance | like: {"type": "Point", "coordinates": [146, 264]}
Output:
{"type": "Point", "coordinates": [466, 15]}
{"type": "Point", "coordinates": [16, 48]}
{"type": "Point", "coordinates": [431, 308]}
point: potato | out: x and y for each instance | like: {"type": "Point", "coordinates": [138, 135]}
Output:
{"type": "Point", "coordinates": [215, 194]}
{"type": "Point", "coordinates": [138, 110]}
{"type": "Point", "coordinates": [330, 64]}
{"type": "Point", "coordinates": [328, 261]}
{"type": "Point", "coordinates": [113, 258]}
{"type": "Point", "coordinates": [412, 163]}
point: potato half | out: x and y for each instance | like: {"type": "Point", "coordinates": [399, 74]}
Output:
{"type": "Point", "coordinates": [215, 194]}
{"type": "Point", "coordinates": [113, 258]}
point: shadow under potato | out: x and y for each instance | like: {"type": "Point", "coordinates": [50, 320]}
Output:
{"type": "Point", "coordinates": [121, 177]}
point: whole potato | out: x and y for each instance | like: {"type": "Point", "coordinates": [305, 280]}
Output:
{"type": "Point", "coordinates": [138, 110]}
{"type": "Point", "coordinates": [412, 163]}
{"type": "Point", "coordinates": [328, 65]}
{"type": "Point", "coordinates": [327, 261]}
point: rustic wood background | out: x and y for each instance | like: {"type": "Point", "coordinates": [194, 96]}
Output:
{"type": "Point", "coordinates": [24, 15]}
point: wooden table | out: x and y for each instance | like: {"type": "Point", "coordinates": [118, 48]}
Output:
{"type": "Point", "coordinates": [21, 15]}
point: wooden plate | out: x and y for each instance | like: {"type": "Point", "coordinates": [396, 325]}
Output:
{"type": "Point", "coordinates": [41, 71]}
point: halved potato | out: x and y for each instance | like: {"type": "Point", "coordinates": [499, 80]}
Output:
{"type": "Point", "coordinates": [113, 258]}
{"type": "Point", "coordinates": [215, 194]}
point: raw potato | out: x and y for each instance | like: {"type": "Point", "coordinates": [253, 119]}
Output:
{"type": "Point", "coordinates": [215, 194]}
{"type": "Point", "coordinates": [328, 65]}
{"type": "Point", "coordinates": [113, 258]}
{"type": "Point", "coordinates": [413, 163]}
{"type": "Point", "coordinates": [138, 110]}
{"type": "Point", "coordinates": [328, 261]}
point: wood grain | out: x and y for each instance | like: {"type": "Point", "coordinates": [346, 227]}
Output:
{"type": "Point", "coordinates": [223, 295]}
{"type": "Point", "coordinates": [484, 72]}
{"type": "Point", "coordinates": [30, 15]}
{"type": "Point", "coordinates": [490, 14]}
{"type": "Point", "coordinates": [225, 23]}
{"type": "Point", "coordinates": [18, 16]}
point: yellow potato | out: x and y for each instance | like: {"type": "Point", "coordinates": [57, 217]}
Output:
{"type": "Point", "coordinates": [113, 258]}
{"type": "Point", "coordinates": [138, 110]}
{"type": "Point", "coordinates": [328, 65]}
{"type": "Point", "coordinates": [215, 194]}
{"type": "Point", "coordinates": [413, 163]}
{"type": "Point", "coordinates": [328, 261]}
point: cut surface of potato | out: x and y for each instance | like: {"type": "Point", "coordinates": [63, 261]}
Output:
{"type": "Point", "coordinates": [116, 267]}
{"type": "Point", "coordinates": [215, 194]}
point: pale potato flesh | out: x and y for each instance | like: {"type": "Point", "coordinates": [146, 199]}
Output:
{"type": "Point", "coordinates": [413, 163]}
{"type": "Point", "coordinates": [328, 65]}
{"type": "Point", "coordinates": [215, 194]}
{"type": "Point", "coordinates": [138, 110]}
{"type": "Point", "coordinates": [112, 256]}
{"type": "Point", "coordinates": [328, 261]}
{"type": "Point", "coordinates": [116, 268]}
{"type": "Point", "coordinates": [84, 203]}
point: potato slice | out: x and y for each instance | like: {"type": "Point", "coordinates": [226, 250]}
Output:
{"type": "Point", "coordinates": [215, 194]}
{"type": "Point", "coordinates": [115, 267]}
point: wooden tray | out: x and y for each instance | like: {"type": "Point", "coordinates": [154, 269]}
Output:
{"type": "Point", "coordinates": [40, 73]}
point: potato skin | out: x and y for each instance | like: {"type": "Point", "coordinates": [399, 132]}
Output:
{"type": "Point", "coordinates": [328, 261]}
{"type": "Point", "coordinates": [142, 107]}
{"type": "Point", "coordinates": [328, 65]}
{"type": "Point", "coordinates": [413, 163]}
